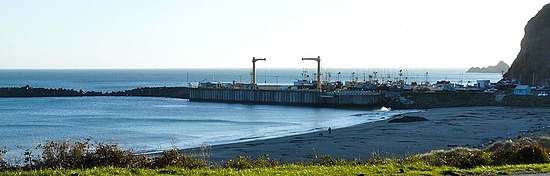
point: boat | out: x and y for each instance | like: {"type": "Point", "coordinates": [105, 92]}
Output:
{"type": "Point", "coordinates": [304, 83]}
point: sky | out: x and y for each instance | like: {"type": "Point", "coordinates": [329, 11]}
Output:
{"type": "Point", "coordinates": [125, 34]}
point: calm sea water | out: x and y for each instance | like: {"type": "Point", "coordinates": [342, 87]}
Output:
{"type": "Point", "coordinates": [154, 124]}
{"type": "Point", "coordinates": [116, 80]}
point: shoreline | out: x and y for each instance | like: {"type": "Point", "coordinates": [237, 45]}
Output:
{"type": "Point", "coordinates": [446, 128]}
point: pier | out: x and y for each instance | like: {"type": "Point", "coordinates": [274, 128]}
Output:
{"type": "Point", "coordinates": [287, 97]}
{"type": "Point", "coordinates": [304, 93]}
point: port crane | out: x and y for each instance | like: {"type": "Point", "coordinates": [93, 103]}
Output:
{"type": "Point", "coordinates": [318, 59]}
{"type": "Point", "coordinates": [254, 59]}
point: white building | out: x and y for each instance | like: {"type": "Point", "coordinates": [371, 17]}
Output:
{"type": "Point", "coordinates": [483, 83]}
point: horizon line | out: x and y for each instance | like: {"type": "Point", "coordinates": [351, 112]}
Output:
{"type": "Point", "coordinates": [194, 68]}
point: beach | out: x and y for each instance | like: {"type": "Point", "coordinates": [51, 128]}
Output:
{"type": "Point", "coordinates": [445, 128]}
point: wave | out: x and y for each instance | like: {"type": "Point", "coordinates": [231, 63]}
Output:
{"type": "Point", "coordinates": [174, 120]}
{"type": "Point", "coordinates": [31, 126]}
{"type": "Point", "coordinates": [170, 106]}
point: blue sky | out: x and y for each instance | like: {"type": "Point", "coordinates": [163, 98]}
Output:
{"type": "Point", "coordinates": [73, 34]}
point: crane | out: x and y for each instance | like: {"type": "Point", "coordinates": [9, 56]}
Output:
{"type": "Point", "coordinates": [254, 59]}
{"type": "Point", "coordinates": [318, 59]}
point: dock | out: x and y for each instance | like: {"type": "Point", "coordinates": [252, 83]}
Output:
{"type": "Point", "coordinates": [288, 97]}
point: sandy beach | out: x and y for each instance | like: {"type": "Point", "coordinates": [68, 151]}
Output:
{"type": "Point", "coordinates": [446, 128]}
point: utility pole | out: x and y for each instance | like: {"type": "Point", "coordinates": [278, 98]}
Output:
{"type": "Point", "coordinates": [318, 59]}
{"type": "Point", "coordinates": [254, 59]}
{"type": "Point", "coordinates": [533, 83]}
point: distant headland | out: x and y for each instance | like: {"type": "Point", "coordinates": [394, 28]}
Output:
{"type": "Point", "coordinates": [499, 68]}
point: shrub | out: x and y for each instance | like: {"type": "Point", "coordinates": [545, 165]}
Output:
{"type": "Point", "coordinates": [531, 154]}
{"type": "Point", "coordinates": [242, 162]}
{"type": "Point", "coordinates": [376, 158]}
{"type": "Point", "coordinates": [523, 151]}
{"type": "Point", "coordinates": [458, 157]}
{"type": "Point", "coordinates": [84, 155]}
{"type": "Point", "coordinates": [265, 161]}
{"type": "Point", "coordinates": [29, 159]}
{"type": "Point", "coordinates": [3, 163]}
{"type": "Point", "coordinates": [80, 155]}
{"type": "Point", "coordinates": [544, 141]}
{"type": "Point", "coordinates": [104, 154]}
{"type": "Point", "coordinates": [205, 153]}
{"type": "Point", "coordinates": [55, 155]}
{"type": "Point", "coordinates": [173, 158]}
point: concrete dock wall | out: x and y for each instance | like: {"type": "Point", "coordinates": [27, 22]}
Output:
{"type": "Point", "coordinates": [354, 98]}
{"type": "Point", "coordinates": [286, 97]}
{"type": "Point", "coordinates": [256, 96]}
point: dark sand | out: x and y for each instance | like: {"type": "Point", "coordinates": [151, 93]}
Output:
{"type": "Point", "coordinates": [446, 128]}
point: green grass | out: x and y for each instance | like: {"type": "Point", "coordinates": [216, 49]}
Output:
{"type": "Point", "coordinates": [84, 158]}
{"type": "Point", "coordinates": [416, 168]}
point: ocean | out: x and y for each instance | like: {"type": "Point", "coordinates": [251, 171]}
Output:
{"type": "Point", "coordinates": [117, 80]}
{"type": "Point", "coordinates": [148, 124]}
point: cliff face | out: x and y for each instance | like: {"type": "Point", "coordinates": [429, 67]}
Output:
{"type": "Point", "coordinates": [499, 68]}
{"type": "Point", "coordinates": [532, 65]}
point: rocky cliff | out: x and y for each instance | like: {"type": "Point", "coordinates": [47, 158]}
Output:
{"type": "Point", "coordinates": [532, 65]}
{"type": "Point", "coordinates": [499, 68]}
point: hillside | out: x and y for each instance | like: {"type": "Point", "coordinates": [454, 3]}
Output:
{"type": "Point", "coordinates": [532, 65]}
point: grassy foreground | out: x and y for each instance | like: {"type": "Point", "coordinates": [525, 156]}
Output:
{"type": "Point", "coordinates": [84, 158]}
{"type": "Point", "coordinates": [417, 168]}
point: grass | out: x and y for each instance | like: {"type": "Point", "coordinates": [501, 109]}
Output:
{"type": "Point", "coordinates": [86, 158]}
{"type": "Point", "coordinates": [416, 168]}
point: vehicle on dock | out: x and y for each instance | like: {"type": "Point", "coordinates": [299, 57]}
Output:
{"type": "Point", "coordinates": [442, 86]}
{"type": "Point", "coordinates": [305, 84]}
{"type": "Point", "coordinates": [490, 91]}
